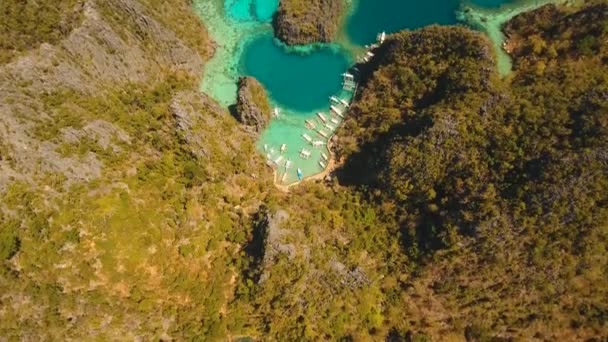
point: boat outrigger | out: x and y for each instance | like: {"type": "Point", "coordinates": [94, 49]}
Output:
{"type": "Point", "coordinates": [307, 137]}
{"type": "Point", "coordinates": [322, 117]}
{"type": "Point", "coordinates": [337, 111]}
{"type": "Point", "coordinates": [305, 154]}
{"type": "Point", "coordinates": [348, 76]}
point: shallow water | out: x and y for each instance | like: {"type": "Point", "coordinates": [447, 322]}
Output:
{"type": "Point", "coordinates": [248, 10]}
{"type": "Point", "coordinates": [301, 80]}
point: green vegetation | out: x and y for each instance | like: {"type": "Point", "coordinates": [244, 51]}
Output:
{"type": "Point", "coordinates": [465, 207]}
{"type": "Point", "coordinates": [300, 22]}
{"type": "Point", "coordinates": [176, 16]}
{"type": "Point", "coordinates": [24, 25]}
{"type": "Point", "coordinates": [497, 185]}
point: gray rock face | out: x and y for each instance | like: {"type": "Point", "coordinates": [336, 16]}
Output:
{"type": "Point", "coordinates": [252, 109]}
{"type": "Point", "coordinates": [186, 109]}
{"type": "Point", "coordinates": [99, 54]}
{"type": "Point", "coordinates": [274, 241]}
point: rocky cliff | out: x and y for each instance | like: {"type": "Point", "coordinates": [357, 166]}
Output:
{"type": "Point", "coordinates": [97, 55]}
{"type": "Point", "coordinates": [304, 22]}
{"type": "Point", "coordinates": [121, 185]}
{"type": "Point", "coordinates": [252, 108]}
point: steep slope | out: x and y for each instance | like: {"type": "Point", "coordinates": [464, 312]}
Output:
{"type": "Point", "coordinates": [467, 207]}
{"type": "Point", "coordinates": [504, 185]}
{"type": "Point", "coordinates": [124, 193]}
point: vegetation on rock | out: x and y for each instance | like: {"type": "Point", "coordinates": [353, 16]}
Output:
{"type": "Point", "coordinates": [502, 184]}
{"type": "Point", "coordinates": [304, 22]}
{"type": "Point", "coordinates": [252, 106]}
{"type": "Point", "coordinates": [25, 25]}
{"type": "Point", "coordinates": [467, 206]}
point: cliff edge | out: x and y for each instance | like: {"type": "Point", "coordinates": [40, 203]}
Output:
{"type": "Point", "coordinates": [304, 22]}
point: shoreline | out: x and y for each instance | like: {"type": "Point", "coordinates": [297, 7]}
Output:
{"type": "Point", "coordinates": [331, 166]}
{"type": "Point", "coordinates": [491, 21]}
{"type": "Point", "coordinates": [231, 38]}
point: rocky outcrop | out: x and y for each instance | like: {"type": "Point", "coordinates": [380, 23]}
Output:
{"type": "Point", "coordinates": [300, 22]}
{"type": "Point", "coordinates": [118, 42]}
{"type": "Point", "coordinates": [252, 108]}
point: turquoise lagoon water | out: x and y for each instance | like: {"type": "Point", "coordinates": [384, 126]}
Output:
{"type": "Point", "coordinates": [248, 10]}
{"type": "Point", "coordinates": [301, 80]}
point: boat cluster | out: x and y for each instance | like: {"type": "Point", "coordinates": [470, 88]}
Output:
{"type": "Point", "coordinates": [320, 129]}
{"type": "Point", "coordinates": [368, 48]}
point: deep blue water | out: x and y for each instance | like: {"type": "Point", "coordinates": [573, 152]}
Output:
{"type": "Point", "coordinates": [298, 81]}
{"type": "Point", "coordinates": [374, 16]}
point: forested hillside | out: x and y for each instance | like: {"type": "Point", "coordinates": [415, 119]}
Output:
{"type": "Point", "coordinates": [465, 207]}
{"type": "Point", "coordinates": [499, 188]}
{"type": "Point", "coordinates": [124, 192]}
{"type": "Point", "coordinates": [305, 22]}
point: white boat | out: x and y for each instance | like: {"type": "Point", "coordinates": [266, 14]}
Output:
{"type": "Point", "coordinates": [337, 111]}
{"type": "Point", "coordinates": [322, 164]}
{"type": "Point", "coordinates": [344, 103]}
{"type": "Point", "coordinates": [348, 76]}
{"type": "Point", "coordinates": [276, 112]}
{"type": "Point", "coordinates": [381, 37]}
{"type": "Point", "coordinates": [310, 124]}
{"type": "Point", "coordinates": [283, 148]}
{"type": "Point", "coordinates": [322, 133]}
{"type": "Point", "coordinates": [265, 147]}
{"type": "Point", "coordinates": [322, 117]}
{"type": "Point", "coordinates": [305, 154]}
{"type": "Point", "coordinates": [335, 121]}
{"type": "Point", "coordinates": [330, 127]}
{"type": "Point", "coordinates": [318, 143]}
{"type": "Point", "coordinates": [307, 137]}
{"type": "Point", "coordinates": [324, 156]}
{"type": "Point", "coordinates": [278, 160]}
{"type": "Point", "coordinates": [288, 164]}
{"type": "Point", "coordinates": [369, 54]}
{"type": "Point", "coordinates": [334, 99]}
